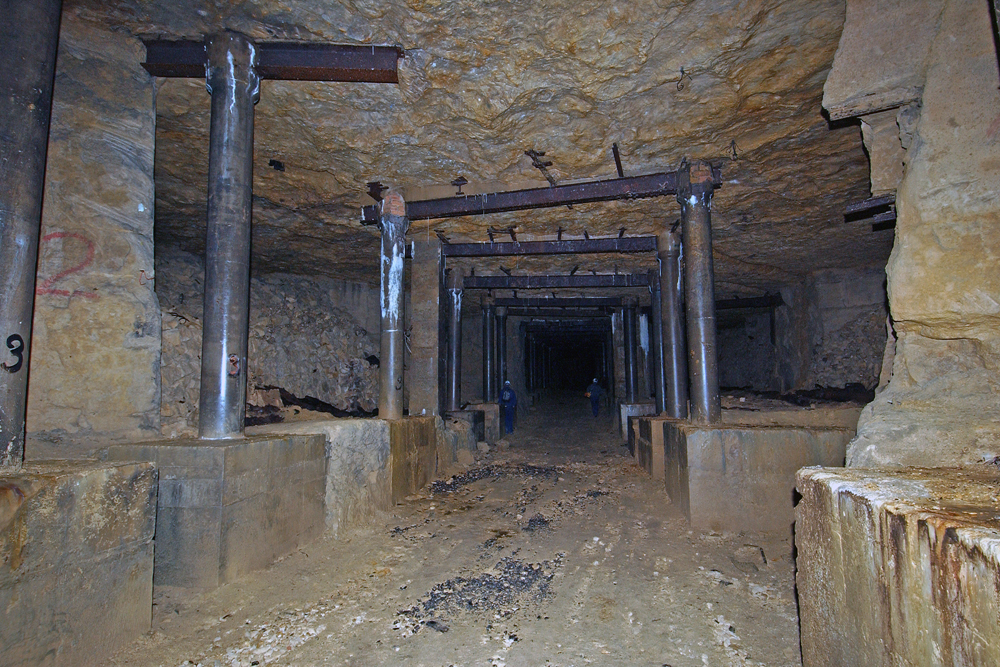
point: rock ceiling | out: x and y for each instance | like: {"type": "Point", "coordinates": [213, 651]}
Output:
{"type": "Point", "coordinates": [481, 82]}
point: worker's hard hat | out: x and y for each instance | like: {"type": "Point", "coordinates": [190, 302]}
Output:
{"type": "Point", "coordinates": [595, 380]}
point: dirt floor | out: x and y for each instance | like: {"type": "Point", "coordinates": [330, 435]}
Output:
{"type": "Point", "coordinates": [556, 549]}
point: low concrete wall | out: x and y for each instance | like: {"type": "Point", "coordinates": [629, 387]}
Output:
{"type": "Point", "coordinates": [742, 478]}
{"type": "Point", "coordinates": [76, 561]}
{"type": "Point", "coordinates": [373, 463]}
{"type": "Point", "coordinates": [898, 568]}
{"type": "Point", "coordinates": [626, 410]}
{"type": "Point", "coordinates": [229, 507]}
{"type": "Point", "coordinates": [491, 420]}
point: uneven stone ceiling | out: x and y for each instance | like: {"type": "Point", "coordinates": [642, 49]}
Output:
{"type": "Point", "coordinates": [482, 82]}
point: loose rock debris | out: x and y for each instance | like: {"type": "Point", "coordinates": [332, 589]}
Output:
{"type": "Point", "coordinates": [495, 471]}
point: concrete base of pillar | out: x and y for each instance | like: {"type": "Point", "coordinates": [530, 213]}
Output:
{"type": "Point", "coordinates": [491, 421]}
{"type": "Point", "coordinates": [626, 410]}
{"type": "Point", "coordinates": [737, 478]}
{"type": "Point", "coordinates": [229, 507]}
{"type": "Point", "coordinates": [76, 560]}
{"type": "Point", "coordinates": [476, 420]}
{"type": "Point", "coordinates": [898, 567]}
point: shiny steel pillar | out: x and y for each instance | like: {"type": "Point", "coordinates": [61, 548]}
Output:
{"type": "Point", "coordinates": [235, 88]}
{"type": "Point", "coordinates": [393, 223]}
{"type": "Point", "coordinates": [694, 192]}
{"type": "Point", "coordinates": [675, 372]}
{"type": "Point", "coordinates": [501, 347]}
{"type": "Point", "coordinates": [489, 350]}
{"type": "Point", "coordinates": [454, 289]}
{"type": "Point", "coordinates": [631, 369]}
{"type": "Point", "coordinates": [656, 343]}
{"type": "Point", "coordinates": [29, 37]}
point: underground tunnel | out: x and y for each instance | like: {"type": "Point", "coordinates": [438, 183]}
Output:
{"type": "Point", "coordinates": [304, 301]}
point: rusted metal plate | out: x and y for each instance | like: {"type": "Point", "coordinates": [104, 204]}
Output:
{"type": "Point", "coordinates": [287, 61]}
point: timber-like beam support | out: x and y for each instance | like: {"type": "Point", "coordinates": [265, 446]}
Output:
{"type": "Point", "coordinates": [286, 61]}
{"type": "Point", "coordinates": [547, 282]}
{"type": "Point", "coordinates": [633, 187]}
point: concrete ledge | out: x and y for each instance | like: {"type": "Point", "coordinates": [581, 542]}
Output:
{"type": "Point", "coordinates": [898, 567]}
{"type": "Point", "coordinates": [742, 478]}
{"type": "Point", "coordinates": [229, 507]}
{"type": "Point", "coordinates": [76, 560]}
{"type": "Point", "coordinates": [491, 421]}
{"type": "Point", "coordinates": [626, 410]}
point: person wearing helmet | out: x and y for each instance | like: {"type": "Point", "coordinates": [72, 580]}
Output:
{"type": "Point", "coordinates": [594, 393]}
{"type": "Point", "coordinates": [508, 405]}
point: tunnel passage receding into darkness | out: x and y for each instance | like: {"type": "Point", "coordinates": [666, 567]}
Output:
{"type": "Point", "coordinates": [568, 354]}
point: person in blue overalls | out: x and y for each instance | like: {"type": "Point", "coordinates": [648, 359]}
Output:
{"type": "Point", "coordinates": [508, 403]}
{"type": "Point", "coordinates": [594, 393]}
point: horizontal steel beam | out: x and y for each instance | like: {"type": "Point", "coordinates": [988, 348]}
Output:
{"type": "Point", "coordinates": [632, 187]}
{"type": "Point", "coordinates": [766, 301]}
{"type": "Point", "coordinates": [289, 61]}
{"type": "Point", "coordinates": [556, 312]}
{"type": "Point", "coordinates": [563, 302]}
{"type": "Point", "coordinates": [575, 247]}
{"type": "Point", "coordinates": [869, 204]}
{"type": "Point", "coordinates": [546, 282]}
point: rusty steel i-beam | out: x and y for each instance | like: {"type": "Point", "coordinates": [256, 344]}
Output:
{"type": "Point", "coordinates": [546, 282]}
{"type": "Point", "coordinates": [633, 187]}
{"type": "Point", "coordinates": [633, 244]}
{"type": "Point", "coordinates": [288, 61]}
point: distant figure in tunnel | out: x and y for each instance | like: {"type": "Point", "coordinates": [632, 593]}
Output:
{"type": "Point", "coordinates": [508, 403]}
{"type": "Point", "coordinates": [594, 393]}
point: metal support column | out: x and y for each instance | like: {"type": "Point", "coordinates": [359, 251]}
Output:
{"type": "Point", "coordinates": [489, 350]}
{"type": "Point", "coordinates": [675, 372]}
{"type": "Point", "coordinates": [235, 87]}
{"type": "Point", "coordinates": [694, 193]}
{"type": "Point", "coordinates": [501, 347]}
{"type": "Point", "coordinates": [454, 288]}
{"type": "Point", "coordinates": [656, 352]}
{"type": "Point", "coordinates": [393, 226]}
{"type": "Point", "coordinates": [631, 369]}
{"type": "Point", "coordinates": [29, 35]}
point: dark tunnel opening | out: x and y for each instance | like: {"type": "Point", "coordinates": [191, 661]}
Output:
{"type": "Point", "coordinates": [569, 354]}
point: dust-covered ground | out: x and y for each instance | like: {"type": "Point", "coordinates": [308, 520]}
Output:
{"type": "Point", "coordinates": [555, 550]}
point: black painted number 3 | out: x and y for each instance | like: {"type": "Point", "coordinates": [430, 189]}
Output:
{"type": "Point", "coordinates": [16, 346]}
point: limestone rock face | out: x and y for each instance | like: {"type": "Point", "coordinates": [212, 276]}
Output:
{"type": "Point", "coordinates": [96, 320]}
{"type": "Point", "coordinates": [483, 82]}
{"type": "Point", "coordinates": [940, 408]}
{"type": "Point", "coordinates": [302, 339]}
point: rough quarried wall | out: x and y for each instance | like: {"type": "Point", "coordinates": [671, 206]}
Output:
{"type": "Point", "coordinates": [940, 405]}
{"type": "Point", "coordinates": [746, 353]}
{"type": "Point", "coordinates": [851, 329]}
{"type": "Point", "coordinates": [301, 339]}
{"type": "Point", "coordinates": [96, 341]}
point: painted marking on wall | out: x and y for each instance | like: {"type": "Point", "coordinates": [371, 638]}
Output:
{"type": "Point", "coordinates": [47, 286]}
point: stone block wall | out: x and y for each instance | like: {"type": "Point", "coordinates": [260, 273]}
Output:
{"type": "Point", "coordinates": [96, 332]}
{"type": "Point", "coordinates": [302, 339]}
{"type": "Point", "coordinates": [746, 353]}
{"type": "Point", "coordinates": [76, 561]}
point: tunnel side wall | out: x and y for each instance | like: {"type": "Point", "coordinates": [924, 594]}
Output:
{"type": "Point", "coordinates": [95, 351]}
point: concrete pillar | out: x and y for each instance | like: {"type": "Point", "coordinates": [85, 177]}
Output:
{"type": "Point", "coordinates": [694, 193]}
{"type": "Point", "coordinates": [501, 346]}
{"type": "Point", "coordinates": [427, 368]}
{"type": "Point", "coordinates": [235, 88]}
{"type": "Point", "coordinates": [671, 295]}
{"type": "Point", "coordinates": [454, 282]}
{"type": "Point", "coordinates": [631, 366]}
{"type": "Point", "coordinates": [29, 37]}
{"type": "Point", "coordinates": [393, 223]}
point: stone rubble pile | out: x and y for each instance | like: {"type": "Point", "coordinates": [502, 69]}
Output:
{"type": "Point", "coordinates": [300, 340]}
